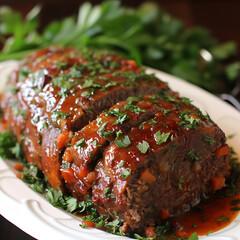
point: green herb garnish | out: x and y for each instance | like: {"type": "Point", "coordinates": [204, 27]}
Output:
{"type": "Point", "coordinates": [125, 142]}
{"type": "Point", "coordinates": [161, 137]}
{"type": "Point", "coordinates": [143, 146]}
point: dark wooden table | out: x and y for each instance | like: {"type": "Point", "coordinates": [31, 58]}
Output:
{"type": "Point", "coordinates": [221, 17]}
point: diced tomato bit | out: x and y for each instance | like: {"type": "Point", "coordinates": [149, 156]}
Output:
{"type": "Point", "coordinates": [193, 116]}
{"type": "Point", "coordinates": [150, 232]}
{"type": "Point", "coordinates": [181, 234]}
{"type": "Point", "coordinates": [147, 176]}
{"type": "Point", "coordinates": [164, 213]}
{"type": "Point", "coordinates": [222, 151]}
{"type": "Point", "coordinates": [158, 114]}
{"type": "Point", "coordinates": [89, 224]}
{"type": "Point", "coordinates": [61, 140]}
{"type": "Point", "coordinates": [218, 183]}
{"type": "Point", "coordinates": [18, 167]}
{"type": "Point", "coordinates": [132, 63]}
{"type": "Point", "coordinates": [19, 175]}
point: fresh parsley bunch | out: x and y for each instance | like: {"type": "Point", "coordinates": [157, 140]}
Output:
{"type": "Point", "coordinates": [147, 34]}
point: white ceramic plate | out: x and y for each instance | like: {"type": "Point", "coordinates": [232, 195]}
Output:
{"type": "Point", "coordinates": [34, 215]}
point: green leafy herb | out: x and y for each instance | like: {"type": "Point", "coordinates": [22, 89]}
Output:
{"type": "Point", "coordinates": [180, 182]}
{"type": "Point", "coordinates": [134, 109]}
{"type": "Point", "coordinates": [91, 84]}
{"type": "Point", "coordinates": [188, 122]}
{"type": "Point", "coordinates": [126, 173]}
{"type": "Point", "coordinates": [194, 156]}
{"type": "Point", "coordinates": [209, 140]}
{"type": "Point", "coordinates": [58, 114]}
{"type": "Point", "coordinates": [226, 219]}
{"type": "Point", "coordinates": [80, 143]}
{"type": "Point", "coordinates": [9, 147]}
{"type": "Point", "coordinates": [143, 146]}
{"type": "Point", "coordinates": [118, 133]}
{"type": "Point", "coordinates": [181, 51]}
{"type": "Point", "coordinates": [122, 117]}
{"type": "Point", "coordinates": [152, 122]}
{"type": "Point", "coordinates": [108, 85]}
{"type": "Point", "coordinates": [186, 101]}
{"type": "Point", "coordinates": [165, 111]}
{"type": "Point", "coordinates": [235, 209]}
{"type": "Point", "coordinates": [102, 131]}
{"type": "Point", "coordinates": [193, 236]}
{"type": "Point", "coordinates": [121, 163]}
{"type": "Point", "coordinates": [161, 137]}
{"type": "Point", "coordinates": [122, 143]}
{"type": "Point", "coordinates": [108, 193]}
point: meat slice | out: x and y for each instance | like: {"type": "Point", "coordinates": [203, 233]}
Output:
{"type": "Point", "coordinates": [88, 144]}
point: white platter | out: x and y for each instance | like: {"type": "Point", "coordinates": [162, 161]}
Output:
{"type": "Point", "coordinates": [34, 215]}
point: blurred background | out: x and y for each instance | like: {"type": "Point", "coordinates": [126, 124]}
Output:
{"type": "Point", "coordinates": [220, 17]}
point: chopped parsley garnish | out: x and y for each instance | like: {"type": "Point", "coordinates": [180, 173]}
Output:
{"type": "Point", "coordinates": [235, 209]}
{"type": "Point", "coordinates": [180, 182]}
{"type": "Point", "coordinates": [193, 236]}
{"type": "Point", "coordinates": [91, 84]}
{"type": "Point", "coordinates": [152, 122]}
{"type": "Point", "coordinates": [134, 109]}
{"type": "Point", "coordinates": [129, 75]}
{"type": "Point", "coordinates": [194, 156]}
{"type": "Point", "coordinates": [86, 94]}
{"type": "Point", "coordinates": [9, 147]}
{"type": "Point", "coordinates": [122, 117]}
{"type": "Point", "coordinates": [141, 125]}
{"type": "Point", "coordinates": [108, 85]}
{"type": "Point", "coordinates": [143, 146]}
{"type": "Point", "coordinates": [58, 114]}
{"type": "Point", "coordinates": [75, 72]}
{"type": "Point", "coordinates": [102, 131]}
{"type": "Point", "coordinates": [118, 133]}
{"type": "Point", "coordinates": [161, 137]}
{"type": "Point", "coordinates": [165, 111]}
{"type": "Point", "coordinates": [186, 101]}
{"type": "Point", "coordinates": [44, 125]}
{"type": "Point", "coordinates": [80, 143]}
{"type": "Point", "coordinates": [130, 100]}
{"type": "Point", "coordinates": [209, 140]}
{"type": "Point", "coordinates": [125, 142]}
{"type": "Point", "coordinates": [62, 65]}
{"type": "Point", "coordinates": [221, 219]}
{"type": "Point", "coordinates": [108, 192]}
{"type": "Point", "coordinates": [188, 122]}
{"type": "Point", "coordinates": [126, 172]}
{"type": "Point", "coordinates": [121, 163]}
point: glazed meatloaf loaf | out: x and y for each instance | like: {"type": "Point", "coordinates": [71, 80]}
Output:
{"type": "Point", "coordinates": [100, 127]}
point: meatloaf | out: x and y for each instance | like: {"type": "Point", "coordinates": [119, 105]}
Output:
{"type": "Point", "coordinates": [100, 127]}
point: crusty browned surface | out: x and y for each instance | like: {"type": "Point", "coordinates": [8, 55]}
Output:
{"type": "Point", "coordinates": [98, 126]}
